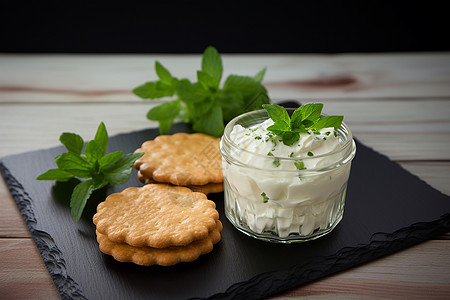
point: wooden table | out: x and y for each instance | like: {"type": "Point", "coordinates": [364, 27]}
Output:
{"type": "Point", "coordinates": [399, 104]}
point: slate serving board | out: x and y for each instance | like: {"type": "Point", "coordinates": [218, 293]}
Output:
{"type": "Point", "coordinates": [387, 209]}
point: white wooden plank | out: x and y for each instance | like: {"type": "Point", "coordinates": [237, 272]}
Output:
{"type": "Point", "coordinates": [402, 131]}
{"type": "Point", "coordinates": [112, 77]}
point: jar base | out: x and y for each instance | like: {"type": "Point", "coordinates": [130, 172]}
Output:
{"type": "Point", "coordinates": [291, 239]}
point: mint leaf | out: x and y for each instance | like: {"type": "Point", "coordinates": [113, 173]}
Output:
{"type": "Point", "coordinates": [165, 114]}
{"type": "Point", "coordinates": [305, 117]}
{"type": "Point", "coordinates": [165, 126]}
{"type": "Point", "coordinates": [163, 74]}
{"type": "Point", "coordinates": [244, 84]}
{"type": "Point", "coordinates": [108, 160]}
{"type": "Point", "coordinates": [212, 123]}
{"type": "Point", "coordinates": [260, 75]}
{"type": "Point", "coordinates": [207, 81]}
{"type": "Point", "coordinates": [212, 65]}
{"type": "Point", "coordinates": [101, 139]}
{"type": "Point", "coordinates": [203, 108]}
{"type": "Point", "coordinates": [167, 110]}
{"type": "Point", "coordinates": [55, 174]}
{"type": "Point", "coordinates": [73, 164]}
{"type": "Point", "coordinates": [99, 169]}
{"type": "Point", "coordinates": [80, 195]}
{"type": "Point", "coordinates": [290, 138]}
{"type": "Point", "coordinates": [119, 172]}
{"type": "Point", "coordinates": [311, 111]}
{"type": "Point", "coordinates": [256, 99]}
{"type": "Point", "coordinates": [238, 95]}
{"type": "Point", "coordinates": [154, 90]}
{"type": "Point", "coordinates": [93, 151]}
{"type": "Point", "coordinates": [191, 92]}
{"type": "Point", "coordinates": [232, 103]}
{"type": "Point", "coordinates": [279, 127]}
{"type": "Point", "coordinates": [277, 113]}
{"type": "Point", "coordinates": [72, 141]}
{"type": "Point", "coordinates": [328, 121]}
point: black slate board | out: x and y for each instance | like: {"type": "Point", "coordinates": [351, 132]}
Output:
{"type": "Point", "coordinates": [387, 209]}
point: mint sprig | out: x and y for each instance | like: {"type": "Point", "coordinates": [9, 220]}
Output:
{"type": "Point", "coordinates": [306, 117]}
{"type": "Point", "coordinates": [204, 104]}
{"type": "Point", "coordinates": [98, 169]}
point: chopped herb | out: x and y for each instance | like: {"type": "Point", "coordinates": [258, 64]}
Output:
{"type": "Point", "coordinates": [270, 154]}
{"type": "Point", "coordinates": [258, 137]}
{"type": "Point", "coordinates": [247, 134]}
{"type": "Point", "coordinates": [310, 153]}
{"type": "Point", "coordinates": [265, 198]}
{"type": "Point", "coordinates": [299, 165]}
{"type": "Point", "coordinates": [324, 138]}
{"type": "Point", "coordinates": [327, 133]}
{"type": "Point", "coordinates": [276, 163]}
{"type": "Point", "coordinates": [335, 134]}
{"type": "Point", "coordinates": [292, 154]}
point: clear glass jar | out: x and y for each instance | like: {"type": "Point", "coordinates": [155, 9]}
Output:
{"type": "Point", "coordinates": [303, 204]}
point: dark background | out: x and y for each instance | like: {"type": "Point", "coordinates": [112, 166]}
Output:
{"type": "Point", "coordinates": [230, 26]}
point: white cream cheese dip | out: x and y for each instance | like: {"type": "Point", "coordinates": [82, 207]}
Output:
{"type": "Point", "coordinates": [284, 193]}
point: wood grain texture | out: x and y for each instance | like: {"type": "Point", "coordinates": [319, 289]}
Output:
{"type": "Point", "coordinates": [399, 104]}
{"type": "Point", "coordinates": [419, 279]}
{"type": "Point", "coordinates": [23, 274]}
{"type": "Point", "coordinates": [12, 223]}
{"type": "Point", "coordinates": [413, 130]}
{"type": "Point", "coordinates": [68, 78]}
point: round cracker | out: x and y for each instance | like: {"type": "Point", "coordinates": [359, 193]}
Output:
{"type": "Point", "coordinates": [156, 215]}
{"type": "Point", "coordinates": [181, 159]}
{"type": "Point", "coordinates": [169, 256]}
{"type": "Point", "coordinates": [205, 189]}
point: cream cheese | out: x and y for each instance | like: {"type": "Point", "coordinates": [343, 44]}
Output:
{"type": "Point", "coordinates": [285, 189]}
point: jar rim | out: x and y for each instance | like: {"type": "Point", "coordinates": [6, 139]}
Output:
{"type": "Point", "coordinates": [349, 142]}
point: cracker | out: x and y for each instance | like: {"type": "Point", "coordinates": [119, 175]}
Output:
{"type": "Point", "coordinates": [156, 215]}
{"type": "Point", "coordinates": [181, 159]}
{"type": "Point", "coordinates": [205, 189]}
{"type": "Point", "coordinates": [147, 256]}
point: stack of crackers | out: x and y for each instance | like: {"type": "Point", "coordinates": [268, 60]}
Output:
{"type": "Point", "coordinates": [192, 160]}
{"type": "Point", "coordinates": [169, 220]}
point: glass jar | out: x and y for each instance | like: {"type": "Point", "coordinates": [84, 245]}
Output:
{"type": "Point", "coordinates": [282, 204]}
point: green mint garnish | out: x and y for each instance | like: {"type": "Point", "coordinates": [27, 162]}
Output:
{"type": "Point", "coordinates": [265, 198]}
{"type": "Point", "coordinates": [310, 153]}
{"type": "Point", "coordinates": [305, 117]}
{"type": "Point", "coordinates": [206, 104]}
{"type": "Point", "coordinates": [276, 163]}
{"type": "Point", "coordinates": [97, 168]}
{"type": "Point", "coordinates": [299, 165]}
